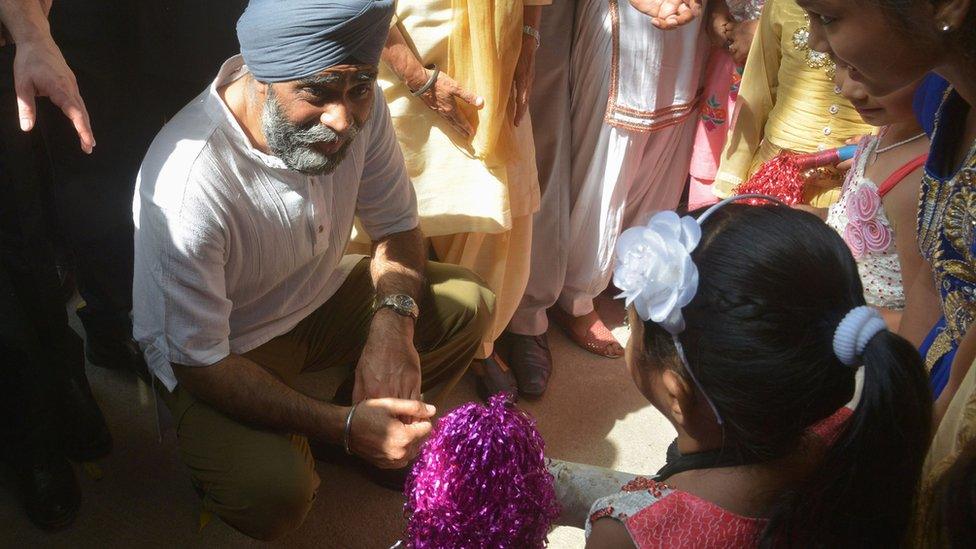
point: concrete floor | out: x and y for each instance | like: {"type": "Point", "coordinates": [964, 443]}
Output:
{"type": "Point", "coordinates": [591, 413]}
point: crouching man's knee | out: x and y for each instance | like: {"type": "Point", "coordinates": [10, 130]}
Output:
{"type": "Point", "coordinates": [269, 502]}
{"type": "Point", "coordinates": [463, 300]}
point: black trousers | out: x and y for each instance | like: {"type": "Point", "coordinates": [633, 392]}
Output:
{"type": "Point", "coordinates": [36, 344]}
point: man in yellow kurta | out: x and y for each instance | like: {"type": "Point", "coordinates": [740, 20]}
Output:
{"type": "Point", "coordinates": [787, 101]}
{"type": "Point", "coordinates": [457, 76]}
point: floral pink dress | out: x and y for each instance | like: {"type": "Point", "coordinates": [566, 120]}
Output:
{"type": "Point", "coordinates": [859, 216]}
{"type": "Point", "coordinates": [722, 78]}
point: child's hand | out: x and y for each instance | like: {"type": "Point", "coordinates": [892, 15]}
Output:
{"type": "Point", "coordinates": [846, 165]}
{"type": "Point", "coordinates": [739, 37]}
{"type": "Point", "coordinates": [718, 26]}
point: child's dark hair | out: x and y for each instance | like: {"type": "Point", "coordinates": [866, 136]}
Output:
{"type": "Point", "coordinates": [774, 283]}
{"type": "Point", "coordinates": [900, 12]}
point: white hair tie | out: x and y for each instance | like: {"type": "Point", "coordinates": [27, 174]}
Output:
{"type": "Point", "coordinates": [853, 333]}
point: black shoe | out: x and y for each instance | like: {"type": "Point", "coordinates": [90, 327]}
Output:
{"type": "Point", "coordinates": [86, 436]}
{"type": "Point", "coordinates": [494, 379]}
{"type": "Point", "coordinates": [50, 491]}
{"type": "Point", "coordinates": [531, 362]}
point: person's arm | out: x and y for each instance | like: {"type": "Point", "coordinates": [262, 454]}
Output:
{"type": "Point", "coordinates": [756, 99]}
{"type": "Point", "coordinates": [819, 212]}
{"type": "Point", "coordinates": [40, 69]}
{"type": "Point", "coordinates": [247, 392]}
{"type": "Point", "coordinates": [442, 97]}
{"type": "Point", "coordinates": [387, 209]}
{"type": "Point", "coordinates": [740, 36]}
{"type": "Point", "coordinates": [390, 364]}
{"type": "Point", "coordinates": [922, 302]}
{"type": "Point", "coordinates": [525, 67]}
{"type": "Point", "coordinates": [961, 362]}
{"type": "Point", "coordinates": [608, 533]}
{"type": "Point", "coordinates": [719, 23]}
{"type": "Point", "coordinates": [922, 307]}
{"type": "Point", "coordinates": [668, 14]}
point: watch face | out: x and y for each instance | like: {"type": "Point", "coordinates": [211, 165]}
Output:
{"type": "Point", "coordinates": [403, 302]}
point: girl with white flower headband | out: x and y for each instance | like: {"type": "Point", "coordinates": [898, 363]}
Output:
{"type": "Point", "coordinates": [877, 211]}
{"type": "Point", "coordinates": [749, 324]}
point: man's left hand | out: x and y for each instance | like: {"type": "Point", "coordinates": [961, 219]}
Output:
{"type": "Point", "coordinates": [524, 77]}
{"type": "Point", "coordinates": [390, 365]}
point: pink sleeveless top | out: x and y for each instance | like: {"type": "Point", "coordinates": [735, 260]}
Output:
{"type": "Point", "coordinates": [657, 515]}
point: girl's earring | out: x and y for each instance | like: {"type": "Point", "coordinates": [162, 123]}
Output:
{"type": "Point", "coordinates": [946, 27]}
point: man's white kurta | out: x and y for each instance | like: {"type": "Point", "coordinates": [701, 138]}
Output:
{"type": "Point", "coordinates": [232, 248]}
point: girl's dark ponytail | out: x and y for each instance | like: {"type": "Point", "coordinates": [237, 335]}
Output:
{"type": "Point", "coordinates": [864, 491]}
{"type": "Point", "coordinates": [774, 285]}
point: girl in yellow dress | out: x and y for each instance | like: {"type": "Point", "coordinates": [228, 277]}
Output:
{"type": "Point", "coordinates": [787, 101]}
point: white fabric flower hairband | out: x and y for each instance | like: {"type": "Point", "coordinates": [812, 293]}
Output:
{"type": "Point", "coordinates": [655, 274]}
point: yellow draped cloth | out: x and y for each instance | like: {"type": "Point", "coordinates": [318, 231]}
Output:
{"type": "Point", "coordinates": [956, 431]}
{"type": "Point", "coordinates": [787, 100]}
{"type": "Point", "coordinates": [476, 196]}
{"type": "Point", "coordinates": [463, 184]}
{"type": "Point", "coordinates": [482, 58]}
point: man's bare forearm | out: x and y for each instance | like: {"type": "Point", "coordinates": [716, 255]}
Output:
{"type": "Point", "coordinates": [398, 265]}
{"type": "Point", "coordinates": [245, 391]}
{"type": "Point", "coordinates": [399, 57]}
{"type": "Point", "coordinates": [25, 20]}
{"type": "Point", "coordinates": [532, 16]}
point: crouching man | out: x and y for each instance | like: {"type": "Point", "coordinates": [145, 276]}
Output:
{"type": "Point", "coordinates": [244, 205]}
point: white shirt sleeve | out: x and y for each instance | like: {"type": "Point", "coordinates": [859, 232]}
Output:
{"type": "Point", "coordinates": [181, 312]}
{"type": "Point", "coordinates": [387, 203]}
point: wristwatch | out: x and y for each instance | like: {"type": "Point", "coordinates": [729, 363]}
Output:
{"type": "Point", "coordinates": [401, 304]}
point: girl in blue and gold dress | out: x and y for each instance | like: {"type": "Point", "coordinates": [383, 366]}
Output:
{"type": "Point", "coordinates": [947, 227]}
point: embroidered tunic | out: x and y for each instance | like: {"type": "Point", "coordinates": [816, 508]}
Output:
{"type": "Point", "coordinates": [947, 238]}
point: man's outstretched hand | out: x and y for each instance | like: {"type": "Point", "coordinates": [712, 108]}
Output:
{"type": "Point", "coordinates": [668, 14]}
{"type": "Point", "coordinates": [41, 71]}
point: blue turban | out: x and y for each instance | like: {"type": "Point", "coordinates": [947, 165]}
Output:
{"type": "Point", "coordinates": [291, 39]}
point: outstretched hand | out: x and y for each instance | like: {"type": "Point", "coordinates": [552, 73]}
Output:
{"type": "Point", "coordinates": [41, 71]}
{"type": "Point", "coordinates": [668, 14]}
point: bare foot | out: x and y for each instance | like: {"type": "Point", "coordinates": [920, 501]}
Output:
{"type": "Point", "coordinates": [589, 332]}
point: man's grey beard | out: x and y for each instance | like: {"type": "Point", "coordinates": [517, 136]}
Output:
{"type": "Point", "coordinates": [293, 144]}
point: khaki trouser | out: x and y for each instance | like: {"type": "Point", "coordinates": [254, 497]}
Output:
{"type": "Point", "coordinates": [263, 482]}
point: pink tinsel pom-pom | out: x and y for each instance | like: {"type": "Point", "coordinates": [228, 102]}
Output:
{"type": "Point", "coordinates": [481, 481]}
